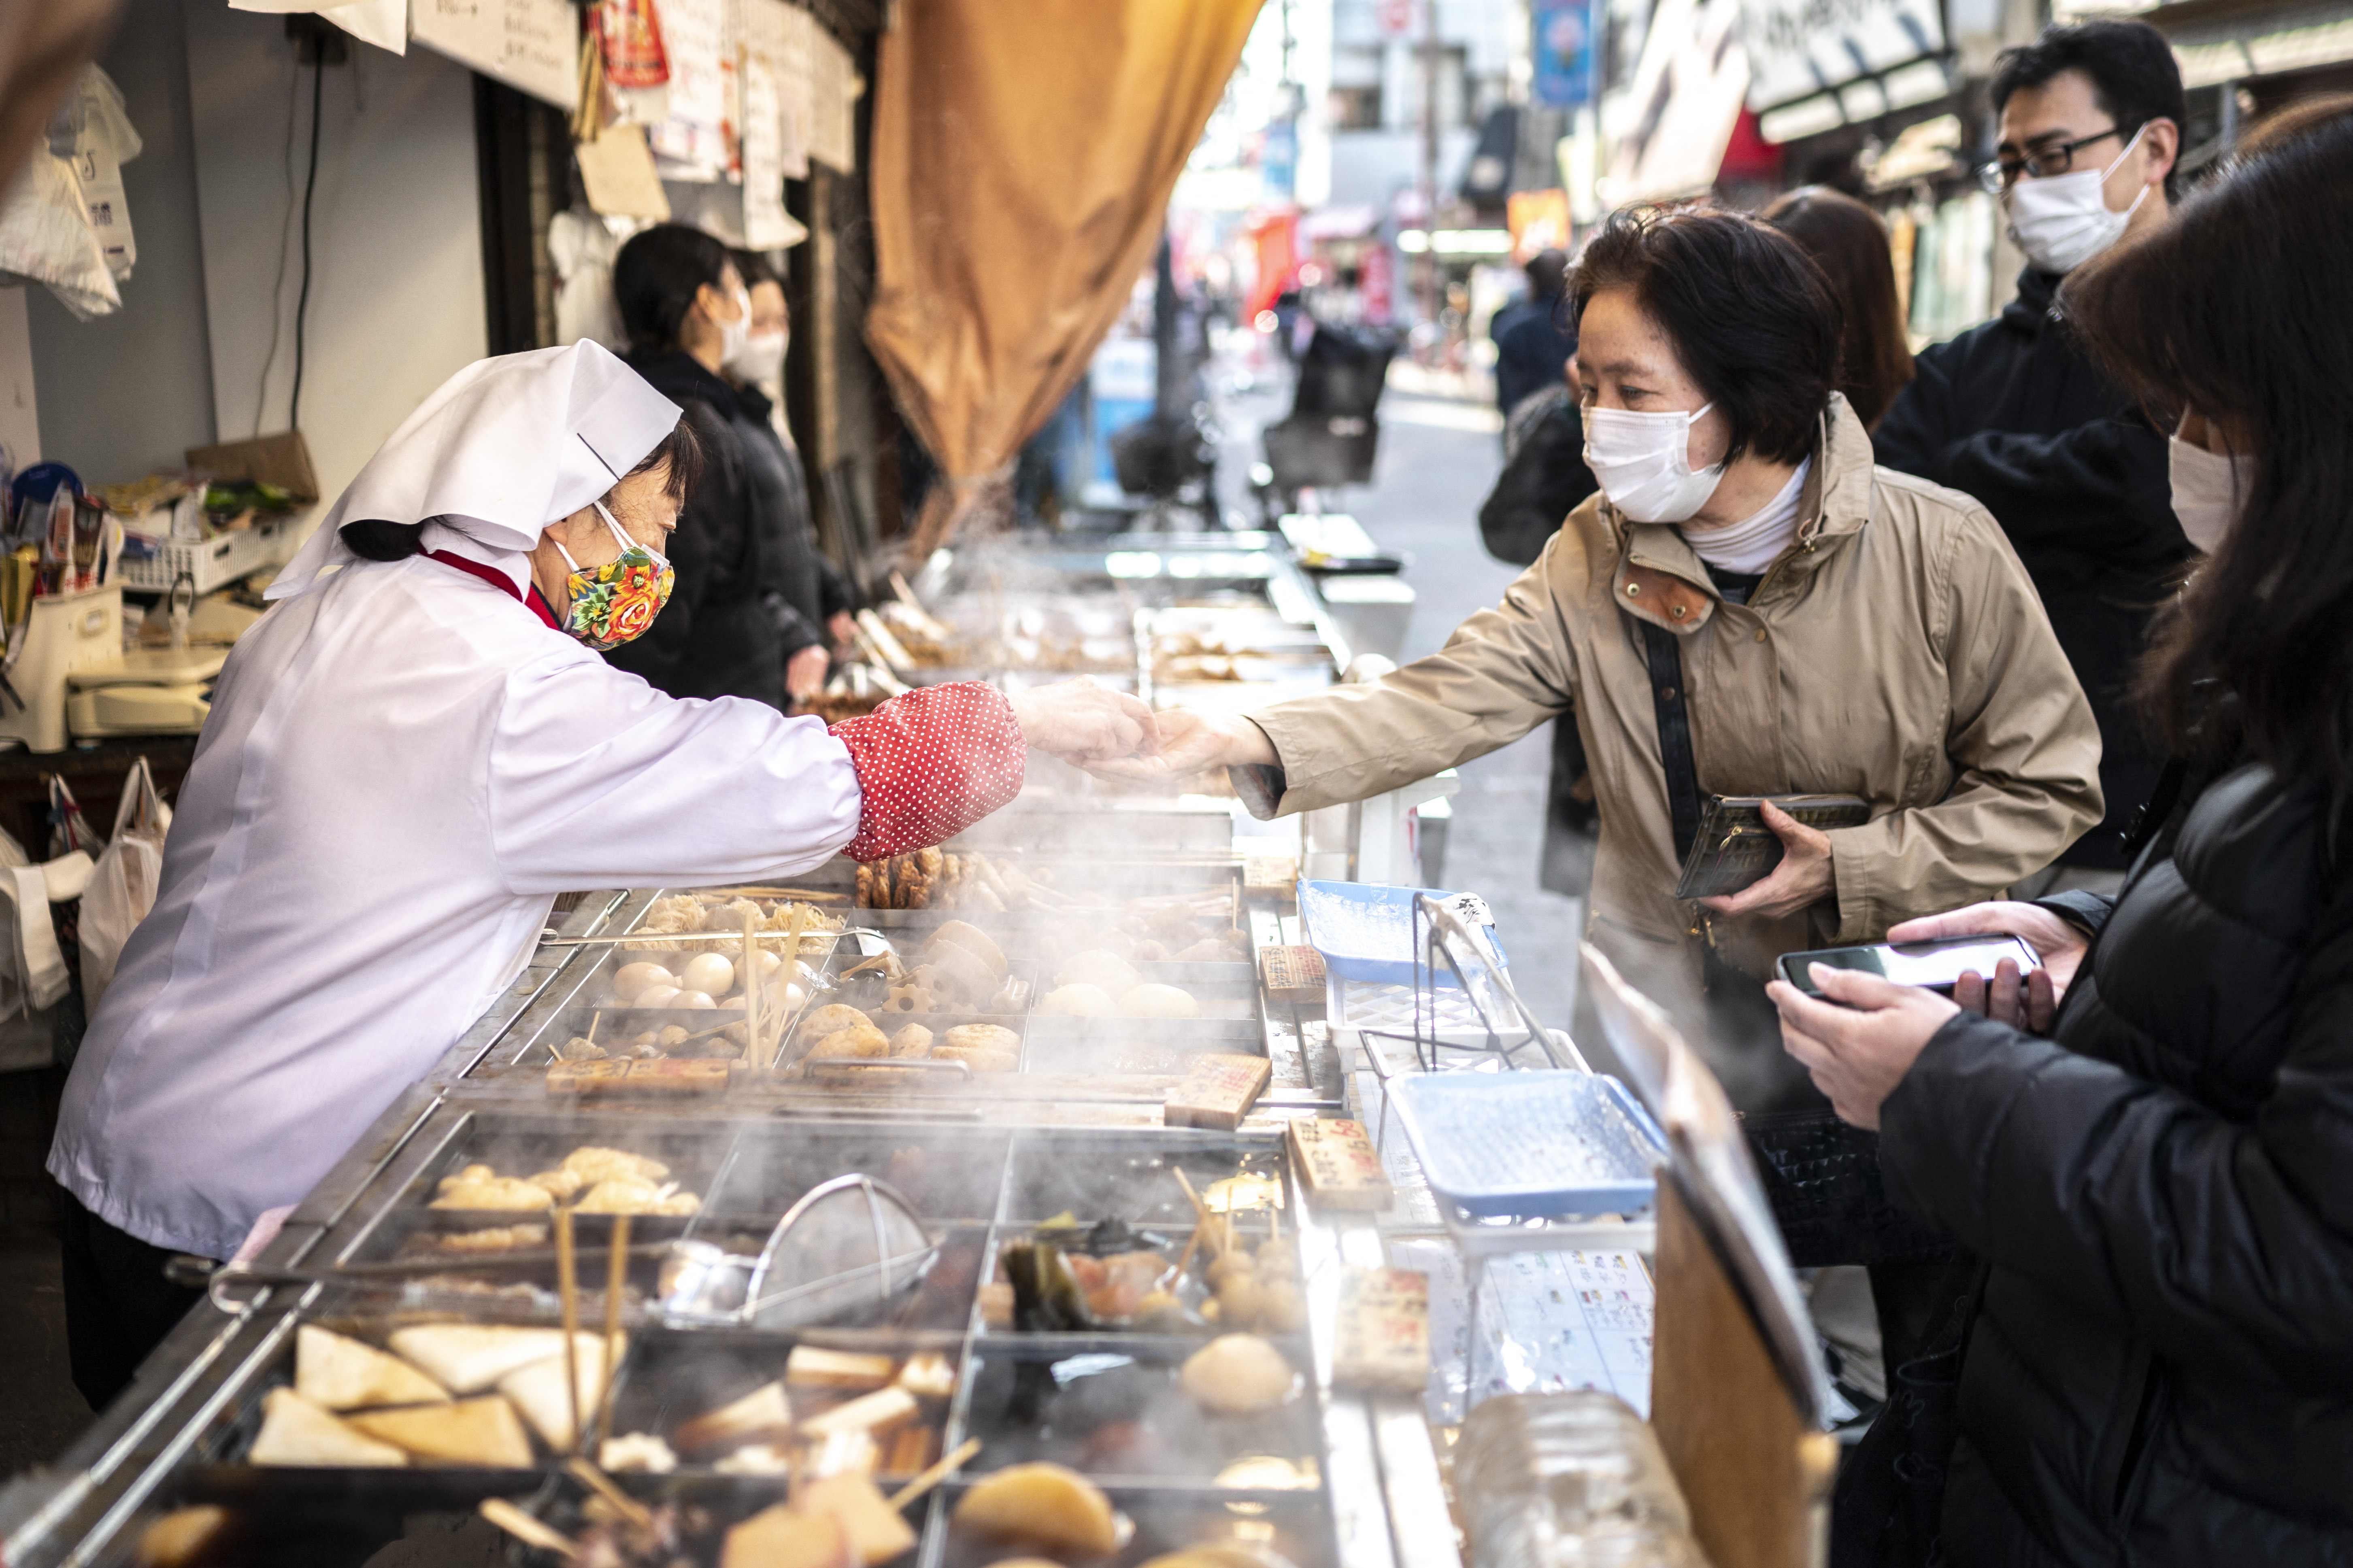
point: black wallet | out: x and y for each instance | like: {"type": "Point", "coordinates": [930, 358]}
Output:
{"type": "Point", "coordinates": [1734, 849]}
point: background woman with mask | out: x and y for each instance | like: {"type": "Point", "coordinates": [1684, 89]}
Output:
{"type": "Point", "coordinates": [757, 375]}
{"type": "Point", "coordinates": [1832, 628]}
{"type": "Point", "coordinates": [748, 621]}
{"type": "Point", "coordinates": [2150, 1145]}
{"type": "Point", "coordinates": [1848, 242]}
{"type": "Point", "coordinates": [407, 759]}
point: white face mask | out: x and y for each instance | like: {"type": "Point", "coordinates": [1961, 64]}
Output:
{"type": "Point", "coordinates": [2064, 221]}
{"type": "Point", "coordinates": [1642, 462]}
{"type": "Point", "coordinates": [761, 360]}
{"type": "Point", "coordinates": [2207, 487]}
{"type": "Point", "coordinates": [733, 335]}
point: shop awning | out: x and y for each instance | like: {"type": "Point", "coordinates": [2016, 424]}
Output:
{"type": "Point", "coordinates": [1688, 90]}
{"type": "Point", "coordinates": [2214, 45]}
{"type": "Point", "coordinates": [1799, 47]}
{"type": "Point", "coordinates": [1023, 157]}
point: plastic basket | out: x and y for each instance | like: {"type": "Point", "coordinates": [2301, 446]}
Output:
{"type": "Point", "coordinates": [1824, 1179]}
{"type": "Point", "coordinates": [223, 558]}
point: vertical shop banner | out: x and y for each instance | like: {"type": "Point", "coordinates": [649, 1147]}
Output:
{"type": "Point", "coordinates": [761, 126]}
{"type": "Point", "coordinates": [833, 103]}
{"type": "Point", "coordinates": [692, 142]}
{"type": "Point", "coordinates": [1799, 47]}
{"type": "Point", "coordinates": [532, 45]}
{"type": "Point", "coordinates": [793, 92]}
{"type": "Point", "coordinates": [1564, 51]}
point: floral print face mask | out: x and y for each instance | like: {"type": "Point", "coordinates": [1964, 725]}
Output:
{"type": "Point", "coordinates": [615, 603]}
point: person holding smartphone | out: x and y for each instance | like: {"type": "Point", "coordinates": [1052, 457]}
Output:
{"type": "Point", "coordinates": [1747, 607]}
{"type": "Point", "coordinates": [2148, 1140]}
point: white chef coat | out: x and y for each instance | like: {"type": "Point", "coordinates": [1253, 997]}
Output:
{"type": "Point", "coordinates": [403, 767]}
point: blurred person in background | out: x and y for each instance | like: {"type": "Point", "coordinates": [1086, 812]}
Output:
{"type": "Point", "coordinates": [688, 313]}
{"type": "Point", "coordinates": [1530, 343]}
{"type": "Point", "coordinates": [1849, 243]}
{"type": "Point", "coordinates": [1806, 622]}
{"type": "Point", "coordinates": [2013, 413]}
{"type": "Point", "coordinates": [2148, 1142]}
{"type": "Point", "coordinates": [757, 375]}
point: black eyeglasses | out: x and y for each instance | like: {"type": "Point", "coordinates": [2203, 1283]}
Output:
{"type": "Point", "coordinates": [2000, 174]}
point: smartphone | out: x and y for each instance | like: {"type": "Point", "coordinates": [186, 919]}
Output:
{"type": "Point", "coordinates": [1934, 965]}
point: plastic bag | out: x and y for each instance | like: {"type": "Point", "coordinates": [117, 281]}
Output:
{"type": "Point", "coordinates": [122, 888]}
{"type": "Point", "coordinates": [46, 238]}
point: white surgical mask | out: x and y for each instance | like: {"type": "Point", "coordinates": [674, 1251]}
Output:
{"type": "Point", "coordinates": [733, 335]}
{"type": "Point", "coordinates": [760, 360]}
{"type": "Point", "coordinates": [2064, 221]}
{"type": "Point", "coordinates": [2207, 491]}
{"type": "Point", "coordinates": [1642, 462]}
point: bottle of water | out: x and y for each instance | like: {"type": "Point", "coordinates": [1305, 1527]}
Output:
{"type": "Point", "coordinates": [1568, 1480]}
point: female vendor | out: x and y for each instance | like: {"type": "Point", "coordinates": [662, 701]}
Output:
{"type": "Point", "coordinates": [406, 759]}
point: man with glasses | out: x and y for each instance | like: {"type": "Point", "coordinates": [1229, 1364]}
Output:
{"type": "Point", "coordinates": [2013, 413]}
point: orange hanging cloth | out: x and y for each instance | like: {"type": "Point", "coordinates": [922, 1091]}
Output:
{"type": "Point", "coordinates": [1023, 158]}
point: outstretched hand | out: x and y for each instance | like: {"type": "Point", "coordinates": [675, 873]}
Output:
{"type": "Point", "coordinates": [1191, 743]}
{"type": "Point", "coordinates": [1082, 723]}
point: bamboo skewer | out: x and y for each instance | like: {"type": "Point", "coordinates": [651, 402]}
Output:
{"type": "Point", "coordinates": [939, 1472]}
{"type": "Point", "coordinates": [617, 1280]}
{"type": "Point", "coordinates": [755, 983]}
{"type": "Point", "coordinates": [525, 1528]}
{"type": "Point", "coordinates": [567, 1286]}
{"type": "Point", "coordinates": [597, 1481]}
{"type": "Point", "coordinates": [754, 1051]}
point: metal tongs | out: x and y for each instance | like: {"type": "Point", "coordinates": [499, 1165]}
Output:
{"type": "Point", "coordinates": [1457, 928]}
{"type": "Point", "coordinates": [830, 1253]}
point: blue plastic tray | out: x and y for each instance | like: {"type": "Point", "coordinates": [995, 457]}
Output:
{"type": "Point", "coordinates": [1365, 931]}
{"type": "Point", "coordinates": [1549, 1145]}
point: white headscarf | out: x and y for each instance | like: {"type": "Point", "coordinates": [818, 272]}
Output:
{"type": "Point", "coordinates": [506, 447]}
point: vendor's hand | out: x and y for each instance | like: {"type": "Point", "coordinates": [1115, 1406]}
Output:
{"type": "Point", "coordinates": [1802, 879]}
{"type": "Point", "coordinates": [1192, 742]}
{"type": "Point", "coordinates": [2031, 1004]}
{"type": "Point", "coordinates": [1082, 723]}
{"type": "Point", "coordinates": [1858, 1053]}
{"type": "Point", "coordinates": [805, 673]}
{"type": "Point", "coordinates": [842, 627]}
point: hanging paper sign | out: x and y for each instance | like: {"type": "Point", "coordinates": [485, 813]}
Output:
{"type": "Point", "coordinates": [693, 139]}
{"type": "Point", "coordinates": [833, 100]}
{"type": "Point", "coordinates": [532, 45]}
{"type": "Point", "coordinates": [793, 92]}
{"type": "Point", "coordinates": [630, 34]}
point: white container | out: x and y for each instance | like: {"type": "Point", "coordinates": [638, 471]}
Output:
{"type": "Point", "coordinates": [211, 561]}
{"type": "Point", "coordinates": [67, 632]}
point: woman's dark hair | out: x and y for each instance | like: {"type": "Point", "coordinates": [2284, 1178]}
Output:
{"type": "Point", "coordinates": [2134, 78]}
{"type": "Point", "coordinates": [374, 539]}
{"type": "Point", "coordinates": [2240, 308]}
{"type": "Point", "coordinates": [755, 269]}
{"type": "Point", "coordinates": [1849, 243]}
{"type": "Point", "coordinates": [655, 278]}
{"type": "Point", "coordinates": [1748, 313]}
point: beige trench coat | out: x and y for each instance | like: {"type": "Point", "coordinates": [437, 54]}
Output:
{"type": "Point", "coordinates": [1896, 651]}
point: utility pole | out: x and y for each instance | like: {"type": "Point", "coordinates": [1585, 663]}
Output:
{"type": "Point", "coordinates": [1430, 161]}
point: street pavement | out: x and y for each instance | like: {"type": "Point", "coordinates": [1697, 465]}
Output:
{"type": "Point", "coordinates": [1440, 449]}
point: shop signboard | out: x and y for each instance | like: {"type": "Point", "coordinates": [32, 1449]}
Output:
{"type": "Point", "coordinates": [1563, 52]}
{"type": "Point", "coordinates": [532, 45]}
{"type": "Point", "coordinates": [1799, 47]}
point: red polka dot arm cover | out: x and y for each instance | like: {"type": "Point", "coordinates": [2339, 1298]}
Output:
{"type": "Point", "coordinates": [930, 763]}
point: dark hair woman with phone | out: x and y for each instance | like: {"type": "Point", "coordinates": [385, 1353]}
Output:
{"type": "Point", "coordinates": [2148, 1140]}
{"type": "Point", "coordinates": [1849, 243]}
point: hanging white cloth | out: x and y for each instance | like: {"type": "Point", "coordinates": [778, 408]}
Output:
{"type": "Point", "coordinates": [503, 449]}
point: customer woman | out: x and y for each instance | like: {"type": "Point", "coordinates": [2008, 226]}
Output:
{"type": "Point", "coordinates": [752, 625]}
{"type": "Point", "coordinates": [1849, 243]}
{"type": "Point", "coordinates": [1818, 625]}
{"type": "Point", "coordinates": [407, 759]}
{"type": "Point", "coordinates": [2151, 1142]}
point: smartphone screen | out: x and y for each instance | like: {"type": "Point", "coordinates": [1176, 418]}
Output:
{"type": "Point", "coordinates": [1933, 964]}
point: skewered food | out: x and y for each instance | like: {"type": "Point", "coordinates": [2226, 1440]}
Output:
{"type": "Point", "coordinates": [619, 1194]}
{"type": "Point", "coordinates": [1079, 1001]}
{"type": "Point", "coordinates": [296, 1432]}
{"type": "Point", "coordinates": [1156, 1001]}
{"type": "Point", "coordinates": [466, 1358]}
{"type": "Point", "coordinates": [484, 1431]}
{"type": "Point", "coordinates": [813, 1366]}
{"type": "Point", "coordinates": [877, 1532]}
{"type": "Point", "coordinates": [561, 1184]}
{"type": "Point", "coordinates": [1237, 1375]}
{"type": "Point", "coordinates": [784, 1537]}
{"type": "Point", "coordinates": [760, 1416]}
{"type": "Point", "coordinates": [594, 1162]}
{"type": "Point", "coordinates": [1053, 1507]}
{"type": "Point", "coordinates": [880, 1411]}
{"type": "Point", "coordinates": [928, 1375]}
{"type": "Point", "coordinates": [537, 1390]}
{"type": "Point", "coordinates": [336, 1373]}
{"type": "Point", "coordinates": [479, 1187]}
{"type": "Point", "coordinates": [640, 1451]}
{"type": "Point", "coordinates": [973, 940]}
{"type": "Point", "coordinates": [1099, 967]}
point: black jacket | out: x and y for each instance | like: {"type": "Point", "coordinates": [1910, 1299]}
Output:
{"type": "Point", "coordinates": [1530, 351]}
{"type": "Point", "coordinates": [813, 590]}
{"type": "Point", "coordinates": [2013, 413]}
{"type": "Point", "coordinates": [2161, 1372]}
